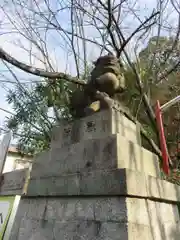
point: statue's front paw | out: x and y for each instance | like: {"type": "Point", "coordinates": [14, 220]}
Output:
{"type": "Point", "coordinates": [92, 108]}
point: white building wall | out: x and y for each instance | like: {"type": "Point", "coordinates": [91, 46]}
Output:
{"type": "Point", "coordinates": [9, 164]}
{"type": "Point", "coordinates": [13, 163]}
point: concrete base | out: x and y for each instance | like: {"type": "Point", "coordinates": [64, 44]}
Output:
{"type": "Point", "coordinates": [119, 182]}
{"type": "Point", "coordinates": [110, 152]}
{"type": "Point", "coordinates": [14, 183]}
{"type": "Point", "coordinates": [96, 218]}
{"type": "Point", "coordinates": [111, 204]}
{"type": "Point", "coordinates": [96, 183]}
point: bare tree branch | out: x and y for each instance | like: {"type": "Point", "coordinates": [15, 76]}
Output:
{"type": "Point", "coordinates": [136, 31]}
{"type": "Point", "coordinates": [38, 72]}
{"type": "Point", "coordinates": [167, 72]}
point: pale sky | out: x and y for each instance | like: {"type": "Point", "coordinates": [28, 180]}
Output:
{"type": "Point", "coordinates": [58, 56]}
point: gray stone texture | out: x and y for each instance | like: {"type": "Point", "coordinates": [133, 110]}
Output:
{"type": "Point", "coordinates": [105, 182]}
{"type": "Point", "coordinates": [13, 183]}
{"type": "Point", "coordinates": [96, 218]}
{"type": "Point", "coordinates": [162, 189]}
{"type": "Point", "coordinates": [95, 183]}
{"type": "Point", "coordinates": [100, 124]}
{"type": "Point", "coordinates": [111, 152]}
{"type": "Point", "coordinates": [95, 151]}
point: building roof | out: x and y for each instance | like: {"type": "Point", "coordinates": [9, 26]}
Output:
{"type": "Point", "coordinates": [14, 150]}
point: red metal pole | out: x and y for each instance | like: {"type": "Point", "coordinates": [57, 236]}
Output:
{"type": "Point", "coordinates": [162, 138]}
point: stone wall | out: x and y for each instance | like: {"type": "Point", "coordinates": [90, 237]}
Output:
{"type": "Point", "coordinates": [14, 183]}
{"type": "Point", "coordinates": [97, 183]}
{"type": "Point", "coordinates": [96, 218]}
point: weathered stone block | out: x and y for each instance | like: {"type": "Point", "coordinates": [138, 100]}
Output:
{"type": "Point", "coordinates": [139, 231]}
{"type": "Point", "coordinates": [96, 218]}
{"type": "Point", "coordinates": [114, 209]}
{"type": "Point", "coordinates": [85, 208]}
{"type": "Point", "coordinates": [110, 209]}
{"type": "Point", "coordinates": [137, 211]}
{"type": "Point", "coordinates": [100, 124]}
{"type": "Point", "coordinates": [105, 182]}
{"type": "Point", "coordinates": [134, 157]}
{"type": "Point", "coordinates": [35, 229]}
{"type": "Point", "coordinates": [99, 189]}
{"type": "Point", "coordinates": [172, 231]}
{"type": "Point", "coordinates": [151, 213]}
{"type": "Point", "coordinates": [161, 230]}
{"type": "Point", "coordinates": [13, 182]}
{"type": "Point", "coordinates": [15, 229]}
{"type": "Point", "coordinates": [161, 212]}
{"type": "Point", "coordinates": [33, 208]}
{"type": "Point", "coordinates": [115, 231]}
{"type": "Point", "coordinates": [64, 185]}
{"type": "Point", "coordinates": [70, 209]}
{"type": "Point", "coordinates": [78, 229]}
{"type": "Point", "coordinates": [111, 152]}
{"type": "Point", "coordinates": [162, 189]}
{"type": "Point", "coordinates": [55, 208]}
{"type": "Point", "coordinates": [125, 231]}
{"type": "Point", "coordinates": [133, 182]}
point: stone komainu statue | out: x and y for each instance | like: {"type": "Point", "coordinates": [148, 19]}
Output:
{"type": "Point", "coordinates": [105, 83]}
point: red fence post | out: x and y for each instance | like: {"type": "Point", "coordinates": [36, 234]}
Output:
{"type": "Point", "coordinates": [162, 138]}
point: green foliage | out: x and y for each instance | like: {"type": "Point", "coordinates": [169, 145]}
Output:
{"type": "Point", "coordinates": [160, 54]}
{"type": "Point", "coordinates": [33, 121]}
{"type": "Point", "coordinates": [37, 109]}
{"type": "Point", "coordinates": [174, 177]}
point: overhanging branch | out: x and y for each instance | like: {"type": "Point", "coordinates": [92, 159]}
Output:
{"type": "Point", "coordinates": [38, 72]}
{"type": "Point", "coordinates": [57, 75]}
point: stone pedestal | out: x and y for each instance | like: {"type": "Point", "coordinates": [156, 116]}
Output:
{"type": "Point", "coordinates": [14, 183]}
{"type": "Point", "coordinates": [98, 183]}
